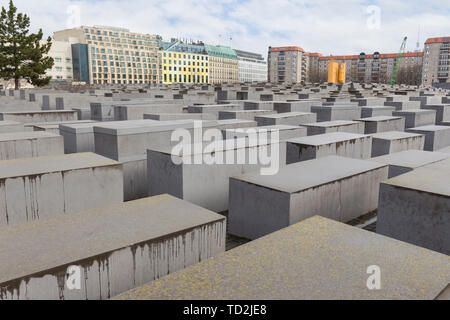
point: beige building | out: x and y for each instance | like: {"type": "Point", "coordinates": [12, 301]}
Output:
{"type": "Point", "coordinates": [223, 64]}
{"type": "Point", "coordinates": [114, 55]}
{"type": "Point", "coordinates": [436, 65]}
{"type": "Point", "coordinates": [61, 52]}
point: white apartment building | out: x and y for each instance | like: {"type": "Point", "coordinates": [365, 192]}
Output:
{"type": "Point", "coordinates": [252, 67]}
{"type": "Point", "coordinates": [61, 52]}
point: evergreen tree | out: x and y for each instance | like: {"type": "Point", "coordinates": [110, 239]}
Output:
{"type": "Point", "coordinates": [22, 56]}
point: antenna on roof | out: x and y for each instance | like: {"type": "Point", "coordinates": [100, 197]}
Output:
{"type": "Point", "coordinates": [418, 41]}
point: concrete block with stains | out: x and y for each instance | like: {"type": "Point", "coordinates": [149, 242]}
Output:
{"type": "Point", "coordinates": [395, 141]}
{"type": "Point", "coordinates": [403, 162]}
{"type": "Point", "coordinates": [289, 118]}
{"type": "Point", "coordinates": [99, 253]}
{"type": "Point", "coordinates": [436, 137]}
{"type": "Point", "coordinates": [11, 126]}
{"type": "Point", "coordinates": [382, 124]}
{"type": "Point", "coordinates": [337, 143]}
{"type": "Point", "coordinates": [417, 117]}
{"type": "Point", "coordinates": [39, 116]}
{"type": "Point", "coordinates": [18, 145]}
{"type": "Point", "coordinates": [318, 259]}
{"type": "Point", "coordinates": [45, 187]}
{"type": "Point", "coordinates": [331, 113]}
{"type": "Point", "coordinates": [415, 206]}
{"type": "Point", "coordinates": [334, 187]}
{"type": "Point", "coordinates": [334, 126]}
{"type": "Point", "coordinates": [200, 174]}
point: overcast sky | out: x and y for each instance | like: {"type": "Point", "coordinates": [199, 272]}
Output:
{"type": "Point", "coordinates": [325, 26]}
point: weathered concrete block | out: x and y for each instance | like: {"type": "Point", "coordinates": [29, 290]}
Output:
{"type": "Point", "coordinates": [136, 112]}
{"type": "Point", "coordinates": [259, 105]}
{"type": "Point", "coordinates": [45, 187]}
{"type": "Point", "coordinates": [337, 143]}
{"type": "Point", "coordinates": [294, 106]}
{"type": "Point", "coordinates": [417, 117]}
{"type": "Point", "coordinates": [436, 137]}
{"type": "Point", "coordinates": [116, 248]}
{"type": "Point", "coordinates": [30, 144]}
{"type": "Point", "coordinates": [442, 112]}
{"type": "Point", "coordinates": [215, 109]}
{"type": "Point", "coordinates": [180, 116]}
{"type": "Point", "coordinates": [39, 116]}
{"type": "Point", "coordinates": [402, 162]}
{"type": "Point", "coordinates": [331, 113]}
{"type": "Point", "coordinates": [395, 141]}
{"type": "Point", "coordinates": [287, 256]}
{"type": "Point", "coordinates": [333, 187]}
{"type": "Point", "coordinates": [414, 208]}
{"type": "Point", "coordinates": [243, 114]}
{"type": "Point", "coordinates": [285, 132]}
{"type": "Point", "coordinates": [334, 126]}
{"type": "Point", "coordinates": [375, 111]}
{"type": "Point", "coordinates": [206, 183]}
{"type": "Point", "coordinates": [11, 126]}
{"type": "Point", "coordinates": [289, 118]}
{"type": "Point", "coordinates": [383, 124]}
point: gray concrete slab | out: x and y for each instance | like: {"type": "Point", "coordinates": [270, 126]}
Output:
{"type": "Point", "coordinates": [331, 113]}
{"type": "Point", "coordinates": [337, 143]}
{"type": "Point", "coordinates": [294, 264]}
{"type": "Point", "coordinates": [382, 124]}
{"type": "Point", "coordinates": [334, 126]}
{"type": "Point", "coordinates": [243, 114]}
{"type": "Point", "coordinates": [436, 137]}
{"type": "Point", "coordinates": [415, 207]}
{"type": "Point", "coordinates": [395, 141]}
{"type": "Point", "coordinates": [417, 117]}
{"type": "Point", "coordinates": [45, 187]}
{"type": "Point", "coordinates": [17, 145]}
{"type": "Point", "coordinates": [374, 111]}
{"type": "Point", "coordinates": [285, 132]}
{"type": "Point", "coordinates": [11, 126]}
{"type": "Point", "coordinates": [116, 248]}
{"type": "Point", "coordinates": [406, 161]}
{"type": "Point", "coordinates": [334, 187]}
{"type": "Point", "coordinates": [288, 118]}
{"type": "Point", "coordinates": [39, 116]}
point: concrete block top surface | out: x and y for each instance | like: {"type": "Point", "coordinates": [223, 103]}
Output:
{"type": "Point", "coordinates": [411, 158]}
{"type": "Point", "coordinates": [38, 112]}
{"type": "Point", "coordinates": [317, 259]}
{"type": "Point", "coordinates": [377, 108]}
{"type": "Point", "coordinates": [414, 111]}
{"type": "Point", "coordinates": [394, 135]}
{"type": "Point", "coordinates": [9, 123]}
{"type": "Point", "coordinates": [308, 174]}
{"type": "Point", "coordinates": [26, 135]}
{"type": "Point", "coordinates": [330, 124]}
{"type": "Point", "coordinates": [336, 107]}
{"type": "Point", "coordinates": [284, 115]}
{"type": "Point", "coordinates": [430, 128]}
{"type": "Point", "coordinates": [42, 165]}
{"type": "Point", "coordinates": [328, 138]}
{"type": "Point", "coordinates": [426, 179]}
{"type": "Point", "coordinates": [147, 126]}
{"type": "Point", "coordinates": [54, 242]}
{"type": "Point", "coordinates": [279, 127]}
{"type": "Point", "coordinates": [378, 118]}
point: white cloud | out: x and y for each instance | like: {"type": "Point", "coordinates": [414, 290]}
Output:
{"type": "Point", "coordinates": [326, 26]}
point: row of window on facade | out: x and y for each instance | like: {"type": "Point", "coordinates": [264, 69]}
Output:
{"type": "Point", "coordinates": [185, 78]}
{"type": "Point", "coordinates": [124, 76]}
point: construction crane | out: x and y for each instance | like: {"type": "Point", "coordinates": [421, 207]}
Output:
{"type": "Point", "coordinates": [399, 59]}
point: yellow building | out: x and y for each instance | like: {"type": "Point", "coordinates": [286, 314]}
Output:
{"type": "Point", "coordinates": [183, 66]}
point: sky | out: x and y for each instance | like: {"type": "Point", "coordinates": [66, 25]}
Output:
{"type": "Point", "coordinates": [325, 26]}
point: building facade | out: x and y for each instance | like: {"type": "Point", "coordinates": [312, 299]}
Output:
{"type": "Point", "coordinates": [293, 65]}
{"type": "Point", "coordinates": [377, 67]}
{"type": "Point", "coordinates": [252, 67]}
{"type": "Point", "coordinates": [61, 52]}
{"type": "Point", "coordinates": [183, 63]}
{"type": "Point", "coordinates": [114, 55]}
{"type": "Point", "coordinates": [436, 65]}
{"type": "Point", "coordinates": [223, 64]}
